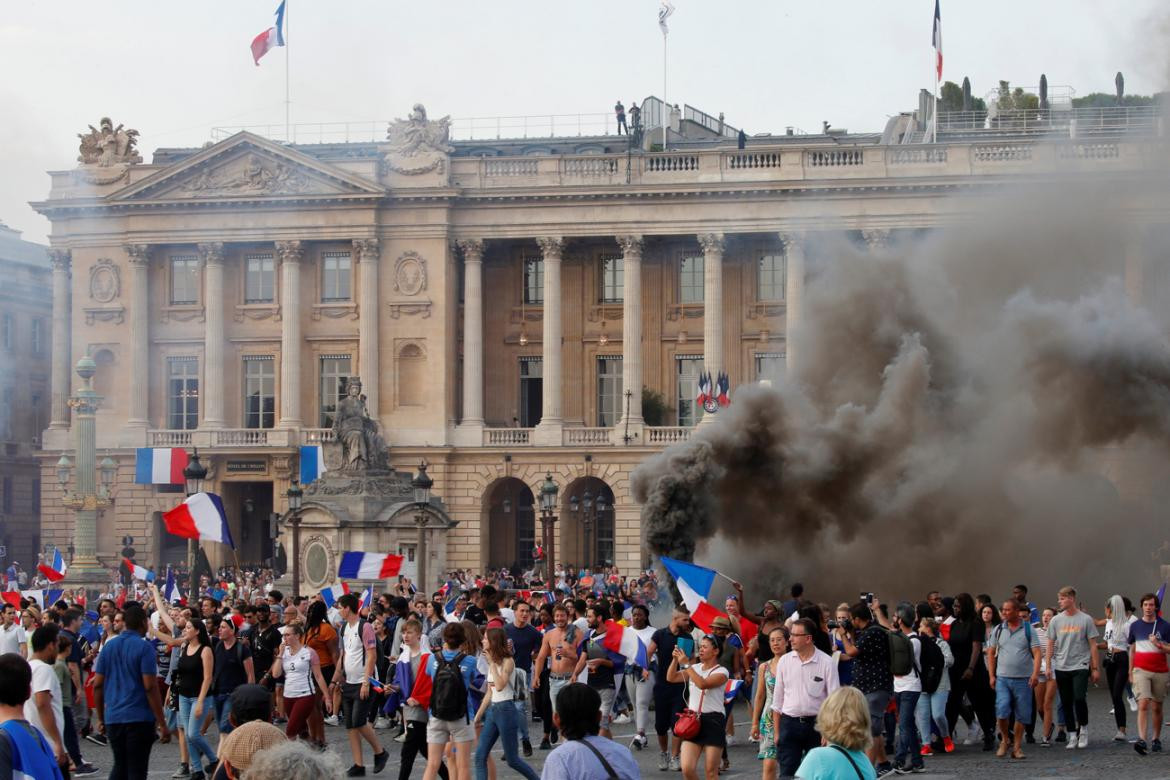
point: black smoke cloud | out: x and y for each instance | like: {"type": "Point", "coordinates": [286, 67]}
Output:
{"type": "Point", "coordinates": [968, 410]}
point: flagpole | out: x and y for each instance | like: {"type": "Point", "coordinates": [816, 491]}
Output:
{"type": "Point", "coordinates": [666, 105]}
{"type": "Point", "coordinates": [287, 99]}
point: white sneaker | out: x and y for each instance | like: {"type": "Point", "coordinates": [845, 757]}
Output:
{"type": "Point", "coordinates": [622, 719]}
{"type": "Point", "coordinates": [1120, 736]}
{"type": "Point", "coordinates": [382, 722]}
{"type": "Point", "coordinates": [974, 735]}
{"type": "Point", "coordinates": [1083, 738]}
{"type": "Point", "coordinates": [1132, 704]}
{"type": "Point", "coordinates": [675, 766]}
{"type": "Point", "coordinates": [332, 721]}
{"type": "Point", "coordinates": [730, 740]}
{"type": "Point", "coordinates": [1072, 741]}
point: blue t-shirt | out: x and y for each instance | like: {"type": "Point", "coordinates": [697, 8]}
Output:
{"type": "Point", "coordinates": [525, 642]}
{"type": "Point", "coordinates": [123, 662]}
{"type": "Point", "coordinates": [467, 666]}
{"type": "Point", "coordinates": [828, 763]}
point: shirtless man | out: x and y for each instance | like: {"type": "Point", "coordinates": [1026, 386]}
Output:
{"type": "Point", "coordinates": [559, 650]}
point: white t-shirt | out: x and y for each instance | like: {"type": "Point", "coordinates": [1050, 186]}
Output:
{"type": "Point", "coordinates": [713, 698]}
{"type": "Point", "coordinates": [911, 682]}
{"type": "Point", "coordinates": [12, 638]}
{"type": "Point", "coordinates": [351, 651]}
{"type": "Point", "coordinates": [44, 679]}
{"type": "Point", "coordinates": [298, 672]}
{"type": "Point", "coordinates": [1119, 643]}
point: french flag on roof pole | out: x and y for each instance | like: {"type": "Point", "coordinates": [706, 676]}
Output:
{"type": "Point", "coordinates": [312, 463]}
{"type": "Point", "coordinates": [624, 641]}
{"type": "Point", "coordinates": [694, 585]}
{"type": "Point", "coordinates": [159, 465]}
{"type": "Point", "coordinates": [332, 594]}
{"type": "Point", "coordinates": [368, 566]}
{"type": "Point", "coordinates": [936, 41]}
{"type": "Point", "coordinates": [138, 572]}
{"type": "Point", "coordinates": [56, 571]}
{"type": "Point", "coordinates": [270, 38]}
{"type": "Point", "coordinates": [200, 517]}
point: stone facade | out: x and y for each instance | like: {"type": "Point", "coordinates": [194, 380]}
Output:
{"type": "Point", "coordinates": [496, 300]}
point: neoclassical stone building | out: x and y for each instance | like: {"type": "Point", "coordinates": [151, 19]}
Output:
{"type": "Point", "coordinates": [513, 308]}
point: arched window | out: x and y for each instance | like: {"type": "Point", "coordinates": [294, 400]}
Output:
{"type": "Point", "coordinates": [412, 385]}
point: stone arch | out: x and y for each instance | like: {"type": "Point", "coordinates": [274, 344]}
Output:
{"type": "Point", "coordinates": [411, 374]}
{"type": "Point", "coordinates": [586, 537]}
{"type": "Point", "coordinates": [509, 523]}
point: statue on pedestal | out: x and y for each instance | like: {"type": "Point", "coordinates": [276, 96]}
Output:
{"type": "Point", "coordinates": [362, 446]}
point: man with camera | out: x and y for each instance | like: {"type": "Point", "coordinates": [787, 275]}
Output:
{"type": "Point", "coordinates": [871, 675]}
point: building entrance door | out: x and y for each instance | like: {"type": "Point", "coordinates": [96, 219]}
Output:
{"type": "Point", "coordinates": [531, 391]}
{"type": "Point", "coordinates": [409, 553]}
{"type": "Point", "coordinates": [248, 506]}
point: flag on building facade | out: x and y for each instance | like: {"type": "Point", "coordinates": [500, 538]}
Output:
{"type": "Point", "coordinates": [694, 585]}
{"type": "Point", "coordinates": [270, 38]}
{"type": "Point", "coordinates": [159, 465]}
{"type": "Point", "coordinates": [138, 572]}
{"type": "Point", "coordinates": [368, 566]}
{"type": "Point", "coordinates": [664, 12]}
{"type": "Point", "coordinates": [200, 517]}
{"type": "Point", "coordinates": [722, 388]}
{"type": "Point", "coordinates": [936, 41]}
{"type": "Point", "coordinates": [54, 572]}
{"type": "Point", "coordinates": [312, 463]}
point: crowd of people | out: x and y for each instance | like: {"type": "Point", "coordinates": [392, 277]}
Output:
{"type": "Point", "coordinates": [862, 690]}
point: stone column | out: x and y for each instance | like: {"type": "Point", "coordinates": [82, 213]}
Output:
{"type": "Point", "coordinates": [211, 390]}
{"type": "Point", "coordinates": [472, 250]}
{"type": "Point", "coordinates": [551, 418]}
{"type": "Point", "coordinates": [59, 411]}
{"type": "Point", "coordinates": [366, 250]}
{"type": "Point", "coordinates": [139, 398]}
{"type": "Point", "coordinates": [713, 244]}
{"type": "Point", "coordinates": [793, 293]}
{"type": "Point", "coordinates": [291, 253]}
{"type": "Point", "coordinates": [629, 428]}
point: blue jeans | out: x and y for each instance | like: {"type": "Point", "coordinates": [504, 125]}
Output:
{"type": "Point", "coordinates": [932, 708]}
{"type": "Point", "coordinates": [500, 722]}
{"type": "Point", "coordinates": [223, 706]}
{"type": "Point", "coordinates": [196, 743]}
{"type": "Point", "coordinates": [1012, 694]}
{"type": "Point", "coordinates": [909, 745]}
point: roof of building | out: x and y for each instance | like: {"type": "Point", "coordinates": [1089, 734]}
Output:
{"type": "Point", "coordinates": [16, 249]}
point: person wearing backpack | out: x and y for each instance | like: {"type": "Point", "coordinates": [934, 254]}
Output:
{"type": "Point", "coordinates": [1014, 667]}
{"type": "Point", "coordinates": [906, 665]}
{"type": "Point", "coordinates": [936, 687]}
{"type": "Point", "coordinates": [871, 675]}
{"type": "Point", "coordinates": [233, 667]}
{"type": "Point", "coordinates": [452, 673]}
{"type": "Point", "coordinates": [355, 668]}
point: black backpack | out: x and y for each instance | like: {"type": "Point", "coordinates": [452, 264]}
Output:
{"type": "Point", "coordinates": [448, 690]}
{"type": "Point", "coordinates": [933, 664]}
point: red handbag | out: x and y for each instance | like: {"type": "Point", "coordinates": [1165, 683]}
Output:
{"type": "Point", "coordinates": [686, 723]}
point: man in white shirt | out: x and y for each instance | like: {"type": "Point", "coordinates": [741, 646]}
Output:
{"type": "Point", "coordinates": [352, 676]}
{"type": "Point", "coordinates": [907, 689]}
{"type": "Point", "coordinates": [13, 638]}
{"type": "Point", "coordinates": [44, 709]}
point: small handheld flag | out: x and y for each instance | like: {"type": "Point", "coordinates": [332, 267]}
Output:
{"type": "Point", "coordinates": [333, 593]}
{"type": "Point", "coordinates": [56, 571]}
{"type": "Point", "coordinates": [171, 590]}
{"type": "Point", "coordinates": [270, 38]}
{"type": "Point", "coordinates": [138, 572]}
{"type": "Point", "coordinates": [200, 517]}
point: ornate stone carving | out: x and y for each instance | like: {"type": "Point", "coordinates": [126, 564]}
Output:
{"type": "Point", "coordinates": [139, 254]}
{"type": "Point", "coordinates": [114, 314]}
{"type": "Point", "coordinates": [252, 175]}
{"type": "Point", "coordinates": [61, 259]}
{"type": "Point", "coordinates": [790, 239]}
{"type": "Point", "coordinates": [631, 246]}
{"type": "Point", "coordinates": [410, 274]}
{"type": "Point", "coordinates": [471, 248]}
{"type": "Point", "coordinates": [362, 486]}
{"type": "Point", "coordinates": [712, 242]}
{"type": "Point", "coordinates": [418, 145]}
{"type": "Point", "coordinates": [290, 251]}
{"type": "Point", "coordinates": [366, 250]}
{"type": "Point", "coordinates": [107, 145]}
{"type": "Point", "coordinates": [105, 283]}
{"type": "Point", "coordinates": [397, 309]}
{"type": "Point", "coordinates": [876, 238]}
{"type": "Point", "coordinates": [257, 311]}
{"type": "Point", "coordinates": [101, 176]}
{"type": "Point", "coordinates": [211, 252]}
{"type": "Point", "coordinates": [362, 446]}
{"type": "Point", "coordinates": [551, 246]}
{"type": "Point", "coordinates": [183, 314]}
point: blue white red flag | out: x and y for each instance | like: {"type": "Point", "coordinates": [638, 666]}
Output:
{"type": "Point", "coordinates": [449, 609]}
{"type": "Point", "coordinates": [54, 572]}
{"type": "Point", "coordinates": [159, 465]}
{"type": "Point", "coordinates": [170, 589]}
{"type": "Point", "coordinates": [332, 594]}
{"type": "Point", "coordinates": [694, 585]}
{"type": "Point", "coordinates": [730, 690]}
{"type": "Point", "coordinates": [625, 642]}
{"type": "Point", "coordinates": [367, 598]}
{"type": "Point", "coordinates": [312, 463]}
{"type": "Point", "coordinates": [138, 572]}
{"type": "Point", "coordinates": [936, 42]}
{"type": "Point", "coordinates": [270, 38]}
{"type": "Point", "coordinates": [200, 517]}
{"type": "Point", "coordinates": [407, 686]}
{"type": "Point", "coordinates": [368, 566]}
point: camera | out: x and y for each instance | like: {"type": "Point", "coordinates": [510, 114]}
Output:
{"type": "Point", "coordinates": [867, 597]}
{"type": "Point", "coordinates": [834, 624]}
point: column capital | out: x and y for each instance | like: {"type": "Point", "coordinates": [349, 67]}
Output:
{"type": "Point", "coordinates": [712, 242]}
{"type": "Point", "coordinates": [471, 248]}
{"type": "Point", "coordinates": [791, 238]}
{"type": "Point", "coordinates": [61, 259]}
{"type": "Point", "coordinates": [551, 246]}
{"type": "Point", "coordinates": [211, 252]}
{"type": "Point", "coordinates": [139, 253]}
{"type": "Point", "coordinates": [290, 251]}
{"type": "Point", "coordinates": [366, 249]}
{"type": "Point", "coordinates": [876, 238]}
{"type": "Point", "coordinates": [631, 245]}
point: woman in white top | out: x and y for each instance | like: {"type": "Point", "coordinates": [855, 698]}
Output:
{"type": "Point", "coordinates": [1115, 643]}
{"type": "Point", "coordinates": [707, 682]}
{"type": "Point", "coordinates": [1046, 706]}
{"type": "Point", "coordinates": [497, 712]}
{"type": "Point", "coordinates": [301, 669]}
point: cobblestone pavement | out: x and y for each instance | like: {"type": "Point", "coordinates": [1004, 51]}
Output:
{"type": "Point", "coordinates": [1102, 759]}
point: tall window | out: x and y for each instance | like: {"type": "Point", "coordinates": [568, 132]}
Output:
{"type": "Point", "coordinates": [335, 371]}
{"type": "Point", "coordinates": [609, 390]}
{"type": "Point", "coordinates": [612, 278]}
{"type": "Point", "coordinates": [769, 366]}
{"type": "Point", "coordinates": [770, 278]}
{"type": "Point", "coordinates": [184, 279]}
{"type": "Point", "coordinates": [335, 277]}
{"type": "Point", "coordinates": [36, 496]}
{"type": "Point", "coordinates": [259, 279]}
{"type": "Point", "coordinates": [7, 334]}
{"type": "Point", "coordinates": [259, 392]}
{"type": "Point", "coordinates": [605, 534]}
{"type": "Point", "coordinates": [531, 391]}
{"type": "Point", "coordinates": [690, 279]}
{"type": "Point", "coordinates": [7, 501]}
{"type": "Point", "coordinates": [7, 412]}
{"type": "Point", "coordinates": [533, 280]}
{"type": "Point", "coordinates": [689, 368]}
{"type": "Point", "coordinates": [182, 393]}
{"type": "Point", "coordinates": [38, 336]}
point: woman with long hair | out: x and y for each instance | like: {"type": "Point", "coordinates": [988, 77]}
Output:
{"type": "Point", "coordinates": [432, 617]}
{"type": "Point", "coordinates": [303, 680]}
{"type": "Point", "coordinates": [1046, 691]}
{"type": "Point", "coordinates": [497, 714]}
{"type": "Point", "coordinates": [843, 724]}
{"type": "Point", "coordinates": [196, 664]}
{"type": "Point", "coordinates": [1115, 643]}
{"type": "Point", "coordinates": [931, 709]}
{"type": "Point", "coordinates": [763, 731]}
{"type": "Point", "coordinates": [990, 617]}
{"type": "Point", "coordinates": [322, 639]}
{"type": "Point", "coordinates": [969, 672]}
{"type": "Point", "coordinates": [707, 680]}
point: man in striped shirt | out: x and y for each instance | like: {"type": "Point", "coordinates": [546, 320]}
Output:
{"type": "Point", "coordinates": [1148, 672]}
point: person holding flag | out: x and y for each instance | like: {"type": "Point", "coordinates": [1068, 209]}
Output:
{"type": "Point", "coordinates": [354, 670]}
{"type": "Point", "coordinates": [412, 692]}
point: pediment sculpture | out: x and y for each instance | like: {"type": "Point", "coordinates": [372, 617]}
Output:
{"type": "Point", "coordinates": [254, 175]}
{"type": "Point", "coordinates": [417, 144]}
{"type": "Point", "coordinates": [106, 145]}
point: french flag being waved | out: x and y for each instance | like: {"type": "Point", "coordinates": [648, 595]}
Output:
{"type": "Point", "coordinates": [270, 38]}
{"type": "Point", "coordinates": [624, 641]}
{"type": "Point", "coordinates": [56, 571]}
{"type": "Point", "coordinates": [159, 465]}
{"type": "Point", "coordinates": [331, 595]}
{"type": "Point", "coordinates": [368, 566]}
{"type": "Point", "coordinates": [138, 572]}
{"type": "Point", "coordinates": [200, 517]}
{"type": "Point", "coordinates": [407, 685]}
{"type": "Point", "coordinates": [694, 585]}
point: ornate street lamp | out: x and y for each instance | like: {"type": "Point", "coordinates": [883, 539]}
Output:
{"type": "Point", "coordinates": [422, 484]}
{"type": "Point", "coordinates": [589, 509]}
{"type": "Point", "coordinates": [548, 504]}
{"type": "Point", "coordinates": [293, 518]}
{"type": "Point", "coordinates": [193, 475]}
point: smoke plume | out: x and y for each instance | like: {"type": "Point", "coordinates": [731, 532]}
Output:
{"type": "Point", "coordinates": [976, 407]}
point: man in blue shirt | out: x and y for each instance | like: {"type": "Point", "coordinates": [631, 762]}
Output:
{"type": "Point", "coordinates": [126, 698]}
{"type": "Point", "coordinates": [584, 755]}
{"type": "Point", "coordinates": [525, 641]}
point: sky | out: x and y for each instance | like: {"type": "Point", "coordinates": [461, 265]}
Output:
{"type": "Point", "coordinates": [173, 70]}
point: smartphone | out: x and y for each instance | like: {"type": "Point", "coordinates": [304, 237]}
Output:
{"type": "Point", "coordinates": [867, 597]}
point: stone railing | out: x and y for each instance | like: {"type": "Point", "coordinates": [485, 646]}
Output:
{"type": "Point", "coordinates": [168, 438]}
{"type": "Point", "coordinates": [239, 437]}
{"type": "Point", "coordinates": [745, 160]}
{"type": "Point", "coordinates": [657, 163]}
{"type": "Point", "coordinates": [317, 435]}
{"type": "Point", "coordinates": [503, 167]}
{"type": "Point", "coordinates": [590, 436]}
{"type": "Point", "coordinates": [590, 166]}
{"type": "Point", "coordinates": [507, 437]}
{"type": "Point", "coordinates": [1002, 152]}
{"type": "Point", "coordinates": [668, 435]}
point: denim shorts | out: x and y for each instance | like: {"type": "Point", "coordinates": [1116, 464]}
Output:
{"type": "Point", "coordinates": [1012, 694]}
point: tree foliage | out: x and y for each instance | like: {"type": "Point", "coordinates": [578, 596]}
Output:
{"type": "Point", "coordinates": [654, 407]}
{"type": "Point", "coordinates": [1017, 99]}
{"type": "Point", "coordinates": [950, 98]}
{"type": "Point", "coordinates": [1108, 99]}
